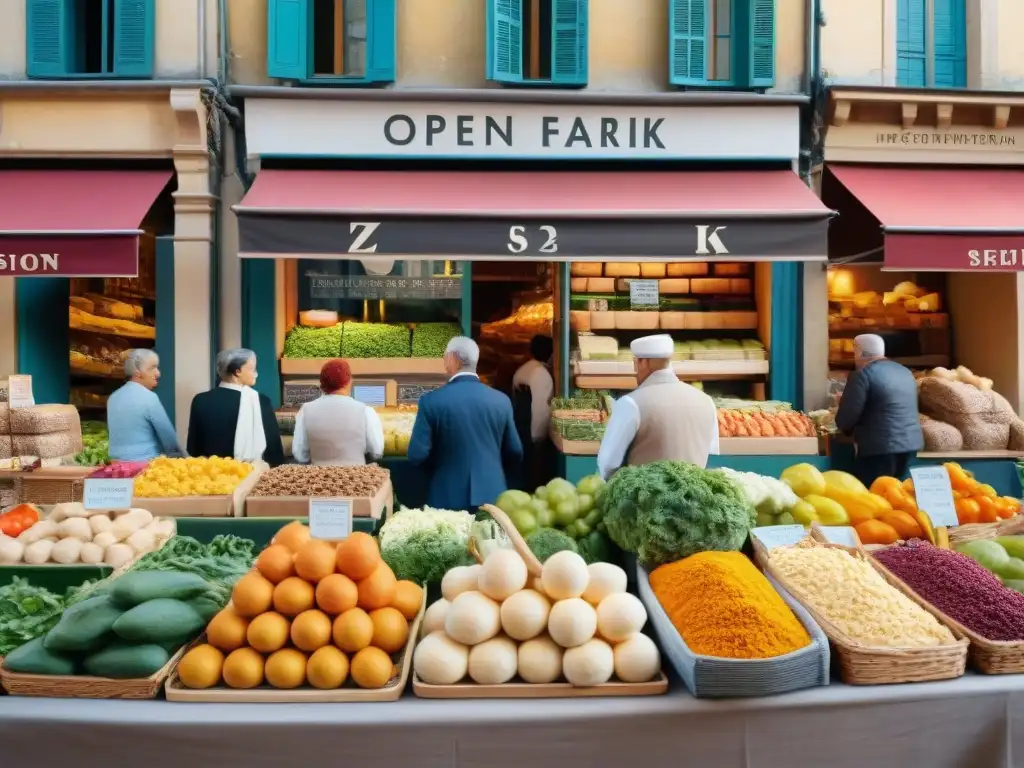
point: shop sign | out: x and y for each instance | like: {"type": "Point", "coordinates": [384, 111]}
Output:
{"type": "Point", "coordinates": [276, 235]}
{"type": "Point", "coordinates": [965, 139]}
{"type": "Point", "coordinates": [330, 519]}
{"type": "Point", "coordinates": [518, 131]}
{"type": "Point", "coordinates": [322, 286]}
{"type": "Point", "coordinates": [954, 252]}
{"type": "Point", "coordinates": [69, 256]}
{"type": "Point", "coordinates": [934, 494]}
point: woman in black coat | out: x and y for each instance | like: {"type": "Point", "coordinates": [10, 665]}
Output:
{"type": "Point", "coordinates": [234, 420]}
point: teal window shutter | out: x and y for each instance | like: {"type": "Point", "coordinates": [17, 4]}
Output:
{"type": "Point", "coordinates": [911, 52]}
{"type": "Point", "coordinates": [762, 43]}
{"type": "Point", "coordinates": [380, 48]}
{"type": "Point", "coordinates": [950, 30]}
{"type": "Point", "coordinates": [687, 45]}
{"type": "Point", "coordinates": [505, 41]}
{"type": "Point", "coordinates": [288, 23]}
{"type": "Point", "coordinates": [47, 39]}
{"type": "Point", "coordinates": [133, 38]}
{"type": "Point", "coordinates": [569, 42]}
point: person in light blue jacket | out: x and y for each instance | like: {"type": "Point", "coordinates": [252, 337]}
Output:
{"type": "Point", "coordinates": [138, 424]}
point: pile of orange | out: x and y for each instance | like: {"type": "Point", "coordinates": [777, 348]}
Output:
{"type": "Point", "coordinates": [310, 613]}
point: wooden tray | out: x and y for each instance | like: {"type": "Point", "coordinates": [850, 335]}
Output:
{"type": "Point", "coordinates": [267, 695]}
{"type": "Point", "coordinates": [758, 446]}
{"type": "Point", "coordinates": [87, 687]}
{"type": "Point", "coordinates": [376, 506]}
{"type": "Point", "coordinates": [521, 690]}
{"type": "Point", "coordinates": [205, 506]}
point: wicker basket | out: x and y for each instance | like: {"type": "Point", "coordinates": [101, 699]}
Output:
{"type": "Point", "coordinates": [861, 664]}
{"type": "Point", "coordinates": [974, 531]}
{"type": "Point", "coordinates": [49, 490]}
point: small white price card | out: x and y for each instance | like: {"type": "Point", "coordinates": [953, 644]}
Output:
{"type": "Point", "coordinates": [19, 391]}
{"type": "Point", "coordinates": [772, 536]}
{"type": "Point", "coordinates": [935, 494]}
{"type": "Point", "coordinates": [843, 535]}
{"type": "Point", "coordinates": [108, 493]}
{"type": "Point", "coordinates": [643, 293]}
{"type": "Point", "coordinates": [330, 519]}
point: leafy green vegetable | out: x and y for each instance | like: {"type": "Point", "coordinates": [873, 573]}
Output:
{"type": "Point", "coordinates": [431, 339]}
{"type": "Point", "coordinates": [222, 562]}
{"type": "Point", "coordinates": [425, 555]}
{"type": "Point", "coordinates": [595, 547]}
{"type": "Point", "coordinates": [313, 342]}
{"type": "Point", "coordinates": [26, 612]}
{"type": "Point", "coordinates": [544, 542]}
{"type": "Point", "coordinates": [95, 445]}
{"type": "Point", "coordinates": [362, 340]}
{"type": "Point", "coordinates": [668, 510]}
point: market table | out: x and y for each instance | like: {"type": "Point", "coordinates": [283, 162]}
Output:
{"type": "Point", "coordinates": [976, 721]}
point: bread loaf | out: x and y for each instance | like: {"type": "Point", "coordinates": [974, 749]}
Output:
{"type": "Point", "coordinates": [586, 269]}
{"type": "Point", "coordinates": [687, 269]}
{"type": "Point", "coordinates": [44, 420]}
{"type": "Point", "coordinates": [652, 269]}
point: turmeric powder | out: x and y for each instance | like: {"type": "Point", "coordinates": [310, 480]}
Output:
{"type": "Point", "coordinates": [723, 606]}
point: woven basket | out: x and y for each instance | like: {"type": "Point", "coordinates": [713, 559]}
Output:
{"type": "Point", "coordinates": [974, 531]}
{"type": "Point", "coordinates": [861, 664]}
{"type": "Point", "coordinates": [46, 491]}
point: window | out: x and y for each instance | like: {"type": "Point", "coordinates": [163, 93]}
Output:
{"type": "Point", "coordinates": [331, 42]}
{"type": "Point", "coordinates": [722, 43]}
{"type": "Point", "coordinates": [537, 42]}
{"type": "Point", "coordinates": [89, 38]}
{"type": "Point", "coordinates": [931, 43]}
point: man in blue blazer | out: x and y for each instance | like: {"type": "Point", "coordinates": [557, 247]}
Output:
{"type": "Point", "coordinates": [465, 435]}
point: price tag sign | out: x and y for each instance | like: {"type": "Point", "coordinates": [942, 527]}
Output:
{"type": "Point", "coordinates": [935, 494]}
{"type": "Point", "coordinates": [19, 391]}
{"type": "Point", "coordinates": [772, 536]}
{"type": "Point", "coordinates": [843, 535]}
{"type": "Point", "coordinates": [108, 493]}
{"type": "Point", "coordinates": [643, 293]}
{"type": "Point", "coordinates": [330, 519]}
{"type": "Point", "coordinates": [369, 394]}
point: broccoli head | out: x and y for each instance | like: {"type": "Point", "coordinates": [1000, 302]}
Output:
{"type": "Point", "coordinates": [544, 542]}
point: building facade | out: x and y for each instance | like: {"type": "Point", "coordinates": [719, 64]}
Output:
{"type": "Point", "coordinates": [104, 114]}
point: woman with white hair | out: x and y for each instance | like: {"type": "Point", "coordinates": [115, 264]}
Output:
{"type": "Point", "coordinates": [138, 424]}
{"type": "Point", "coordinates": [233, 419]}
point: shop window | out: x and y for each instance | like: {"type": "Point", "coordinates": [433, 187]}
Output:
{"type": "Point", "coordinates": [722, 43]}
{"type": "Point", "coordinates": [67, 39]}
{"type": "Point", "coordinates": [331, 42]}
{"type": "Point", "coordinates": [931, 43]}
{"type": "Point", "coordinates": [537, 42]}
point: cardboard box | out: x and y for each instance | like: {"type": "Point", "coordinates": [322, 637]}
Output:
{"type": "Point", "coordinates": [204, 506]}
{"type": "Point", "coordinates": [298, 506]}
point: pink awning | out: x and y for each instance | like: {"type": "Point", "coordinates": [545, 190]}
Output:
{"type": "Point", "coordinates": [944, 219]}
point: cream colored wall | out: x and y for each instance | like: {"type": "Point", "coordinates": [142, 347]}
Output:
{"type": "Point", "coordinates": [177, 27]}
{"type": "Point", "coordinates": [443, 44]}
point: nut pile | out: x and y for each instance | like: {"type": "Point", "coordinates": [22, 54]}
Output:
{"type": "Point", "coordinates": [300, 480]}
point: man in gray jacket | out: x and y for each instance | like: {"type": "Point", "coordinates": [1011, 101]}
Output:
{"type": "Point", "coordinates": [879, 408]}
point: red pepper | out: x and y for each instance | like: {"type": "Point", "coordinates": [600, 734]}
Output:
{"type": "Point", "coordinates": [18, 519]}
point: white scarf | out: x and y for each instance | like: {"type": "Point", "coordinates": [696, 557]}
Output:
{"type": "Point", "coordinates": [250, 439]}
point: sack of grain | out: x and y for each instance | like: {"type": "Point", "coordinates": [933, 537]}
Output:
{"type": "Point", "coordinates": [5, 447]}
{"type": "Point", "coordinates": [960, 404]}
{"type": "Point", "coordinates": [45, 420]}
{"type": "Point", "coordinates": [5, 423]}
{"type": "Point", "coordinates": [1016, 436]}
{"type": "Point", "coordinates": [981, 436]}
{"type": "Point", "coordinates": [50, 446]}
{"type": "Point", "coordinates": [941, 437]}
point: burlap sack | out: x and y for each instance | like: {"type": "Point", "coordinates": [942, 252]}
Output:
{"type": "Point", "coordinates": [5, 446]}
{"type": "Point", "coordinates": [979, 436]}
{"type": "Point", "coordinates": [1016, 436]}
{"type": "Point", "coordinates": [941, 437]}
{"type": "Point", "coordinates": [961, 404]}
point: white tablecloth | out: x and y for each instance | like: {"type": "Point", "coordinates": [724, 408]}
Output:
{"type": "Point", "coordinates": [974, 722]}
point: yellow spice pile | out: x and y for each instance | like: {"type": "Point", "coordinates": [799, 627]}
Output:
{"type": "Point", "coordinates": [854, 597]}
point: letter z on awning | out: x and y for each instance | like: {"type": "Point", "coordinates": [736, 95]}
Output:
{"type": "Point", "coordinates": [84, 222]}
{"type": "Point", "coordinates": [543, 216]}
{"type": "Point", "coordinates": [943, 219]}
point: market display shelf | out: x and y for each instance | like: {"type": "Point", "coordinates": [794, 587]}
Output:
{"type": "Point", "coordinates": [969, 455]}
{"type": "Point", "coordinates": [130, 331]}
{"type": "Point", "coordinates": [728, 446]}
{"type": "Point", "coordinates": [684, 368]}
{"type": "Point", "coordinates": [382, 366]}
{"type": "Point", "coordinates": [99, 371]}
{"type": "Point", "coordinates": [920, 361]}
{"type": "Point", "coordinates": [921, 322]}
{"type": "Point", "coordinates": [523, 690]}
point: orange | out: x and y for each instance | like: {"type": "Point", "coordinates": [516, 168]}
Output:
{"type": "Point", "coordinates": [293, 536]}
{"type": "Point", "coordinates": [336, 593]}
{"type": "Point", "coordinates": [311, 630]}
{"type": "Point", "coordinates": [390, 629]}
{"type": "Point", "coordinates": [358, 556]}
{"type": "Point", "coordinates": [276, 563]}
{"type": "Point", "coordinates": [243, 669]}
{"type": "Point", "coordinates": [226, 630]}
{"type": "Point", "coordinates": [286, 669]}
{"type": "Point", "coordinates": [378, 589]}
{"type": "Point", "coordinates": [408, 598]}
{"type": "Point", "coordinates": [252, 595]}
{"type": "Point", "coordinates": [268, 632]}
{"type": "Point", "coordinates": [372, 668]}
{"type": "Point", "coordinates": [353, 630]}
{"type": "Point", "coordinates": [876, 532]}
{"type": "Point", "coordinates": [327, 668]}
{"type": "Point", "coordinates": [967, 511]}
{"type": "Point", "coordinates": [315, 560]}
{"type": "Point", "coordinates": [293, 596]}
{"type": "Point", "coordinates": [906, 526]}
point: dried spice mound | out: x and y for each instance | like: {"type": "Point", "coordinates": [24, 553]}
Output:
{"type": "Point", "coordinates": [959, 587]}
{"type": "Point", "coordinates": [300, 480]}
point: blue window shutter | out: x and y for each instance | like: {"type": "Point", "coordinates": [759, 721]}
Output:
{"type": "Point", "coordinates": [950, 30]}
{"type": "Point", "coordinates": [133, 38]}
{"type": "Point", "coordinates": [47, 44]}
{"type": "Point", "coordinates": [288, 26]}
{"type": "Point", "coordinates": [569, 42]}
{"type": "Point", "coordinates": [911, 53]}
{"type": "Point", "coordinates": [505, 40]}
{"type": "Point", "coordinates": [762, 43]}
{"type": "Point", "coordinates": [380, 47]}
{"type": "Point", "coordinates": [687, 43]}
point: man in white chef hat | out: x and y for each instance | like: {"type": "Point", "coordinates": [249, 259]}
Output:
{"type": "Point", "coordinates": [662, 419]}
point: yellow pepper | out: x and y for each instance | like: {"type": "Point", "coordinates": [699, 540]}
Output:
{"type": "Point", "coordinates": [843, 481]}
